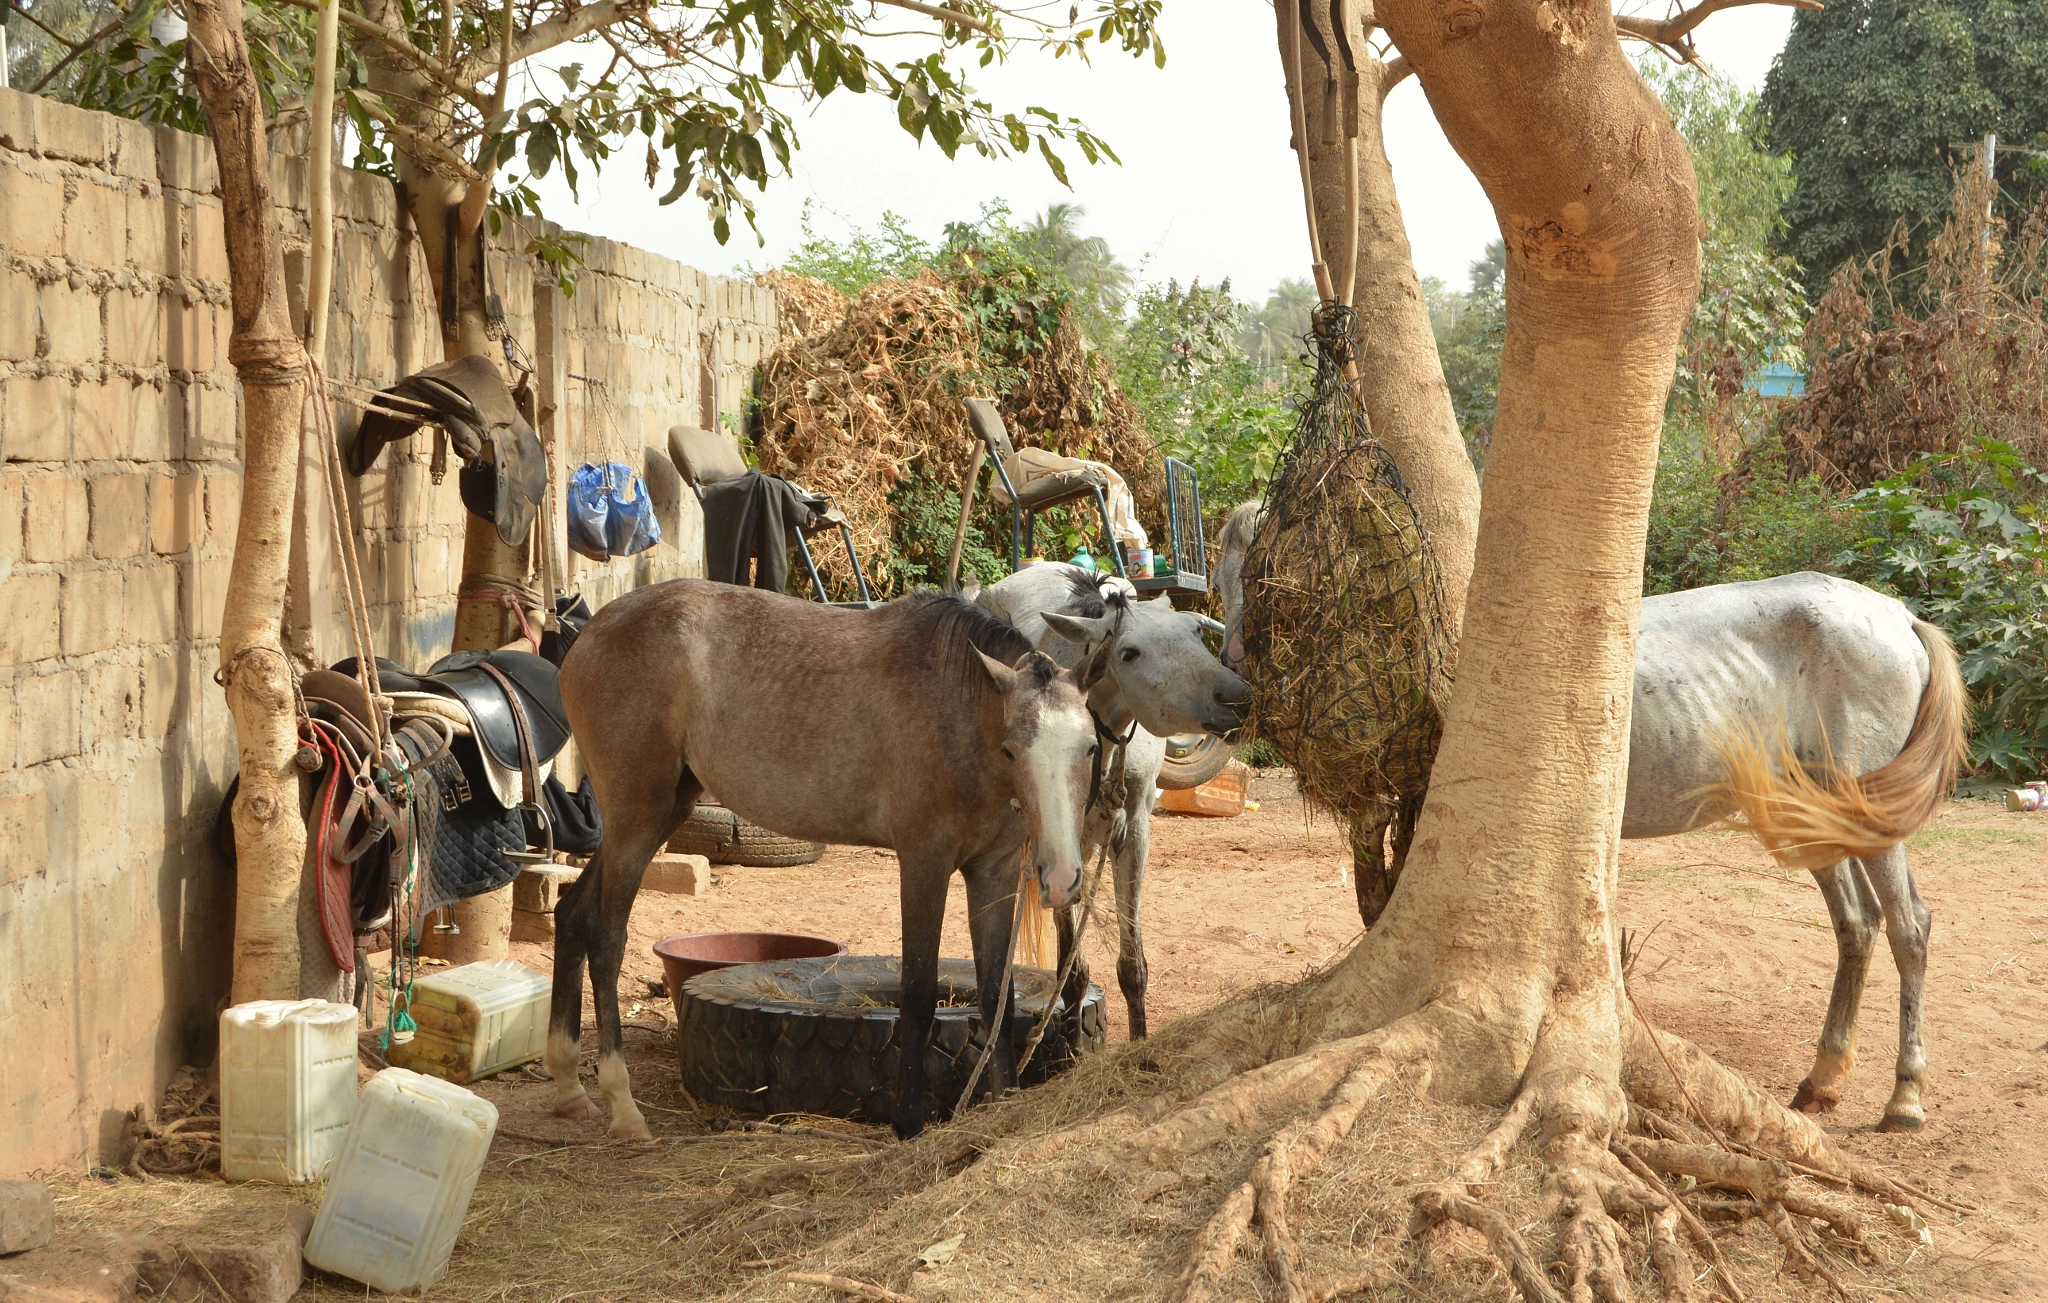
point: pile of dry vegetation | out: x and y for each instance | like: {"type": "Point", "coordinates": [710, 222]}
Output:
{"type": "Point", "coordinates": [862, 401]}
{"type": "Point", "coordinates": [1888, 385]}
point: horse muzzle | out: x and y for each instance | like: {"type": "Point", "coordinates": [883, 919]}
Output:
{"type": "Point", "coordinates": [1059, 882]}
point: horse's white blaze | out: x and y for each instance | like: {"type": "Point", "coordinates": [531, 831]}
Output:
{"type": "Point", "coordinates": [1052, 776]}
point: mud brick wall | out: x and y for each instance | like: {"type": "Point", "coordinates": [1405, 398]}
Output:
{"type": "Point", "coordinates": [119, 490]}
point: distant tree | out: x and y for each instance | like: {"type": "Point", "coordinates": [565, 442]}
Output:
{"type": "Point", "coordinates": [1100, 282]}
{"type": "Point", "coordinates": [1272, 334]}
{"type": "Point", "coordinates": [1877, 101]}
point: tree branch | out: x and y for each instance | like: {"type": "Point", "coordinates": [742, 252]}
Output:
{"type": "Point", "coordinates": [952, 16]}
{"type": "Point", "coordinates": [420, 140]}
{"type": "Point", "coordinates": [1392, 73]}
{"type": "Point", "coordinates": [564, 28]}
{"type": "Point", "coordinates": [1675, 32]}
{"type": "Point", "coordinates": [78, 49]}
{"type": "Point", "coordinates": [396, 41]}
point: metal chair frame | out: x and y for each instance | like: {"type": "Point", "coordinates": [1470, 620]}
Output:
{"type": "Point", "coordinates": [1184, 532]}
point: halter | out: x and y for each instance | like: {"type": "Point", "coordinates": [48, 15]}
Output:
{"type": "Point", "coordinates": [1115, 747]}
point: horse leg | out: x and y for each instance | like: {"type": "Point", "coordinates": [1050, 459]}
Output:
{"type": "Point", "coordinates": [591, 927]}
{"type": "Point", "coordinates": [1369, 876]}
{"type": "Point", "coordinates": [1854, 912]}
{"type": "Point", "coordinates": [991, 912]}
{"type": "Point", "coordinates": [1907, 922]}
{"type": "Point", "coordinates": [1131, 972]}
{"type": "Point", "coordinates": [922, 890]}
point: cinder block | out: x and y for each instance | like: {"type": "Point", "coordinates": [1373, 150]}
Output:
{"type": "Point", "coordinates": [17, 328]}
{"type": "Point", "coordinates": [209, 242]}
{"type": "Point", "coordinates": [260, 1263]}
{"type": "Point", "coordinates": [151, 217]}
{"type": "Point", "coordinates": [96, 225]}
{"type": "Point", "coordinates": [73, 134]}
{"type": "Point", "coordinates": [48, 717]}
{"type": "Point", "coordinates": [92, 610]}
{"type": "Point", "coordinates": [149, 604]}
{"type": "Point", "coordinates": [29, 633]}
{"type": "Point", "coordinates": [35, 417]}
{"type": "Point", "coordinates": [131, 149]}
{"type": "Point", "coordinates": [24, 833]}
{"type": "Point", "coordinates": [120, 514]}
{"type": "Point", "coordinates": [207, 591]}
{"type": "Point", "coordinates": [68, 322]}
{"type": "Point", "coordinates": [186, 162]}
{"type": "Point", "coordinates": [159, 695]}
{"type": "Point", "coordinates": [174, 512]}
{"type": "Point", "coordinates": [223, 510]}
{"type": "Point", "coordinates": [135, 328]}
{"type": "Point", "coordinates": [99, 419]}
{"type": "Point", "coordinates": [678, 875]}
{"type": "Point", "coordinates": [113, 711]}
{"type": "Point", "coordinates": [149, 421]}
{"type": "Point", "coordinates": [188, 337]}
{"type": "Point", "coordinates": [17, 121]}
{"type": "Point", "coordinates": [56, 521]}
{"type": "Point", "coordinates": [12, 504]}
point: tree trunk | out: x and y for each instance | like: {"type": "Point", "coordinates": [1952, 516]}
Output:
{"type": "Point", "coordinates": [1505, 912]}
{"type": "Point", "coordinates": [1402, 379]}
{"type": "Point", "coordinates": [270, 835]}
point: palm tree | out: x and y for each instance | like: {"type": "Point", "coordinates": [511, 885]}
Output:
{"type": "Point", "coordinates": [1274, 332]}
{"type": "Point", "coordinates": [1100, 282]}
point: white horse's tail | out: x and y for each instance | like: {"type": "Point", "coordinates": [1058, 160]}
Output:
{"type": "Point", "coordinates": [1810, 818]}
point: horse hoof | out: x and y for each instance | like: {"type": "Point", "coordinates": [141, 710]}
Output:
{"type": "Point", "coordinates": [1905, 1123]}
{"type": "Point", "coordinates": [636, 1129]}
{"type": "Point", "coordinates": [579, 1108]}
{"type": "Point", "coordinates": [1816, 1099]}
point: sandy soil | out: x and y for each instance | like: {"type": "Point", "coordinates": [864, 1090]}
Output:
{"type": "Point", "coordinates": [1738, 957]}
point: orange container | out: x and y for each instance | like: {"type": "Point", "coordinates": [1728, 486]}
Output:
{"type": "Point", "coordinates": [1220, 797]}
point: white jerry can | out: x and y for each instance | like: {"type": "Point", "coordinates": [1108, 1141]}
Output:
{"type": "Point", "coordinates": [287, 1088]}
{"type": "Point", "coordinates": [475, 1020]}
{"type": "Point", "coordinates": [396, 1200]}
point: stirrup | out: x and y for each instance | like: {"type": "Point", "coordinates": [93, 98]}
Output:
{"type": "Point", "coordinates": [547, 829]}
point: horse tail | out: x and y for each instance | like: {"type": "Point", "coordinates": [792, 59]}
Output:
{"type": "Point", "coordinates": [1811, 818]}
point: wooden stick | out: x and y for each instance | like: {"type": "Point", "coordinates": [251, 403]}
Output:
{"type": "Point", "coordinates": [847, 1285]}
{"type": "Point", "coordinates": [1290, 63]}
{"type": "Point", "coordinates": [966, 506]}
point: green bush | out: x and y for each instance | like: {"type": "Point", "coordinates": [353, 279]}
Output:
{"type": "Point", "coordinates": [1959, 539]}
{"type": "Point", "coordinates": [1711, 528]}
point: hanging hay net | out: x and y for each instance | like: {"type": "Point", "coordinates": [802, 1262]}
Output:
{"type": "Point", "coordinates": [862, 401]}
{"type": "Point", "coordinates": [1345, 637]}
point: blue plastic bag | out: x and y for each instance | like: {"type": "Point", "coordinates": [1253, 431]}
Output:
{"type": "Point", "coordinates": [609, 512]}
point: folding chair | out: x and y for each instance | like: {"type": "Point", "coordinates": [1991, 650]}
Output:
{"type": "Point", "coordinates": [709, 457]}
{"type": "Point", "coordinates": [1184, 534]}
{"type": "Point", "coordinates": [1030, 490]}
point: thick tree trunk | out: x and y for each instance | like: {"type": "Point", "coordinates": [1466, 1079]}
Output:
{"type": "Point", "coordinates": [1504, 919]}
{"type": "Point", "coordinates": [1401, 378]}
{"type": "Point", "coordinates": [270, 835]}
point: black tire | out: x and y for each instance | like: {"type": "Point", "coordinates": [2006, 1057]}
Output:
{"type": "Point", "coordinates": [821, 1036]}
{"type": "Point", "coordinates": [723, 837]}
{"type": "Point", "coordinates": [1193, 759]}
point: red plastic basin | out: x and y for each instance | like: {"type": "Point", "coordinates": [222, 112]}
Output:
{"type": "Point", "coordinates": [683, 957]}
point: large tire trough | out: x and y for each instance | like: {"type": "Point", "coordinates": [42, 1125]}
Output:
{"type": "Point", "coordinates": [824, 1035]}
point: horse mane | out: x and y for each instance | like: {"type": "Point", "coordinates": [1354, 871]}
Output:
{"type": "Point", "coordinates": [1240, 527]}
{"type": "Point", "coordinates": [957, 624]}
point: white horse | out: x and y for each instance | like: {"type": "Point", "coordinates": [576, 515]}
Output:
{"type": "Point", "coordinates": [1828, 717]}
{"type": "Point", "coordinates": [1162, 681]}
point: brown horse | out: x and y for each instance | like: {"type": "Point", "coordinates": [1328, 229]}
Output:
{"type": "Point", "coordinates": [928, 725]}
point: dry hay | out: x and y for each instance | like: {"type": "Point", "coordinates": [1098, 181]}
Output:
{"type": "Point", "coordinates": [855, 402]}
{"type": "Point", "coordinates": [1888, 386]}
{"type": "Point", "coordinates": [1345, 637]}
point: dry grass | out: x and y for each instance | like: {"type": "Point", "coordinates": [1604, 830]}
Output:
{"type": "Point", "coordinates": [861, 395]}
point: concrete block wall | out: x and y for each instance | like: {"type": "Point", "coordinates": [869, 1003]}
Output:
{"type": "Point", "coordinates": [119, 491]}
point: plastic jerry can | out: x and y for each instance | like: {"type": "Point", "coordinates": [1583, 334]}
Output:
{"type": "Point", "coordinates": [1222, 796]}
{"type": "Point", "coordinates": [475, 1020]}
{"type": "Point", "coordinates": [287, 1088]}
{"type": "Point", "coordinates": [395, 1203]}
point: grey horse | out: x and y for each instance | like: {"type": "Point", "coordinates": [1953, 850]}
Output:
{"type": "Point", "coordinates": [1162, 681]}
{"type": "Point", "coordinates": [1740, 686]}
{"type": "Point", "coordinates": [928, 725]}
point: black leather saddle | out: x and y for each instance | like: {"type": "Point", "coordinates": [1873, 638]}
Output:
{"type": "Point", "coordinates": [469, 400]}
{"type": "Point", "coordinates": [468, 677]}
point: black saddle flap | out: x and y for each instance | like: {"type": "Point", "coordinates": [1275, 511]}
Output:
{"type": "Point", "coordinates": [459, 675]}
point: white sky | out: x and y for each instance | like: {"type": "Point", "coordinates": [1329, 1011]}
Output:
{"type": "Point", "coordinates": [1207, 187]}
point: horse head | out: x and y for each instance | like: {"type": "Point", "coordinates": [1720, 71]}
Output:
{"type": "Point", "coordinates": [1232, 546]}
{"type": "Point", "coordinates": [1049, 747]}
{"type": "Point", "coordinates": [1165, 674]}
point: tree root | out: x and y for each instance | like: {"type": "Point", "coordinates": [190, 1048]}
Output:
{"type": "Point", "coordinates": [1449, 1202]}
{"type": "Point", "coordinates": [1702, 1239]}
{"type": "Point", "coordinates": [847, 1285]}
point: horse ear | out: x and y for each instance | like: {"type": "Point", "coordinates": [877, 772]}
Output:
{"type": "Point", "coordinates": [1005, 678]}
{"type": "Point", "coordinates": [1162, 598]}
{"type": "Point", "coordinates": [971, 590]}
{"type": "Point", "coordinates": [1089, 672]}
{"type": "Point", "coordinates": [1080, 629]}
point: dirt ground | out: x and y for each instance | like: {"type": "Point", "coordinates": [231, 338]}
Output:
{"type": "Point", "coordinates": [1736, 955]}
